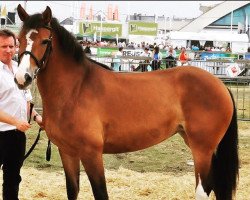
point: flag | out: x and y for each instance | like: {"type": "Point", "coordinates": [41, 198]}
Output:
{"type": "Point", "coordinates": [83, 10]}
{"type": "Point", "coordinates": [4, 12]}
{"type": "Point", "coordinates": [90, 13]}
{"type": "Point", "coordinates": [110, 15]}
{"type": "Point", "coordinates": [116, 13]}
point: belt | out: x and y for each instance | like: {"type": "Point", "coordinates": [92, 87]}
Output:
{"type": "Point", "coordinates": [10, 131]}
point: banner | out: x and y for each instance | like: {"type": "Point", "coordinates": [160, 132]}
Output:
{"type": "Point", "coordinates": [217, 55]}
{"type": "Point", "coordinates": [4, 12]}
{"type": "Point", "coordinates": [106, 52]}
{"type": "Point", "coordinates": [142, 28]}
{"type": "Point", "coordinates": [107, 29]}
{"type": "Point", "coordinates": [233, 70]}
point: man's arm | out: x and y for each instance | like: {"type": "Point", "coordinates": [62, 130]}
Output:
{"type": "Point", "coordinates": [21, 125]}
{"type": "Point", "coordinates": [37, 118]}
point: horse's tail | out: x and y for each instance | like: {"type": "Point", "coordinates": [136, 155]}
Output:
{"type": "Point", "coordinates": [225, 163]}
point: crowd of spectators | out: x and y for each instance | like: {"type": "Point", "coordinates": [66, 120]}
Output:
{"type": "Point", "coordinates": [142, 45]}
{"type": "Point", "coordinates": [175, 56]}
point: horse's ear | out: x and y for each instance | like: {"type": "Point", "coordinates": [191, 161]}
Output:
{"type": "Point", "coordinates": [47, 15]}
{"type": "Point", "coordinates": [22, 13]}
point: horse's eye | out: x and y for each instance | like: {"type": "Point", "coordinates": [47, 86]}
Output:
{"type": "Point", "coordinates": [46, 41]}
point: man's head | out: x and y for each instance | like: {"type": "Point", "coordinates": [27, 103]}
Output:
{"type": "Point", "coordinates": [7, 46]}
{"type": "Point", "coordinates": [120, 48]}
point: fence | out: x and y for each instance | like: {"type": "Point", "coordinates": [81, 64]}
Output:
{"type": "Point", "coordinates": [214, 66]}
{"type": "Point", "coordinates": [240, 85]}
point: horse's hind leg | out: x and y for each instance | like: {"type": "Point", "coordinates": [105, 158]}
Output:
{"type": "Point", "coordinates": [93, 164]}
{"type": "Point", "coordinates": [71, 167]}
{"type": "Point", "coordinates": [202, 162]}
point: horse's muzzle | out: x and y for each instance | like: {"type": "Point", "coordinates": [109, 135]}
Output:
{"type": "Point", "coordinates": [28, 80]}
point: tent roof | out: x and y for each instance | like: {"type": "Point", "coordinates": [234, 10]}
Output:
{"type": "Point", "coordinates": [208, 36]}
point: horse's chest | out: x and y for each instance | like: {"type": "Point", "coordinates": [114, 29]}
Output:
{"type": "Point", "coordinates": [63, 139]}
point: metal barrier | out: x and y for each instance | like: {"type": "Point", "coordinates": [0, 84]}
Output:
{"type": "Point", "coordinates": [218, 67]}
{"type": "Point", "coordinates": [240, 87]}
{"type": "Point", "coordinates": [214, 66]}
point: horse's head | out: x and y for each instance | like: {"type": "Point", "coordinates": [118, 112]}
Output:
{"type": "Point", "coordinates": [35, 45]}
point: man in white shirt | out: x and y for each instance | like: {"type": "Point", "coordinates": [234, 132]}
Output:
{"type": "Point", "coordinates": [14, 106]}
{"type": "Point", "coordinates": [146, 62]}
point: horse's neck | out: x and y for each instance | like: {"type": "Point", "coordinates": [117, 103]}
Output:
{"type": "Point", "coordinates": [57, 82]}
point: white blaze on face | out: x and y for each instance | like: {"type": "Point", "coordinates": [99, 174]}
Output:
{"type": "Point", "coordinates": [24, 66]}
{"type": "Point", "coordinates": [200, 193]}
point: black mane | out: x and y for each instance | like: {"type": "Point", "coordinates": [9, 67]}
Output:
{"type": "Point", "coordinates": [101, 64]}
{"type": "Point", "coordinates": [69, 44]}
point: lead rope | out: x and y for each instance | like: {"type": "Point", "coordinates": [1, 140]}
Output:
{"type": "Point", "coordinates": [38, 136]}
{"type": "Point", "coordinates": [48, 151]}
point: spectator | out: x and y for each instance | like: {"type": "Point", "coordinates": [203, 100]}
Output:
{"type": "Point", "coordinates": [195, 48]}
{"type": "Point", "coordinates": [143, 65]}
{"type": "Point", "coordinates": [202, 48]}
{"type": "Point", "coordinates": [87, 49]}
{"type": "Point", "coordinates": [170, 57]}
{"type": "Point", "coordinates": [228, 49]}
{"type": "Point", "coordinates": [117, 59]}
{"type": "Point", "coordinates": [157, 58]}
{"type": "Point", "coordinates": [223, 49]}
{"type": "Point", "coordinates": [183, 57]}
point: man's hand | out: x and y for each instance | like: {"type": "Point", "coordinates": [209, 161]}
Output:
{"type": "Point", "coordinates": [22, 125]}
{"type": "Point", "coordinates": [39, 121]}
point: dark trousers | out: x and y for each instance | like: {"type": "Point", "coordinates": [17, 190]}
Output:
{"type": "Point", "coordinates": [12, 151]}
{"type": "Point", "coordinates": [170, 62]}
{"type": "Point", "coordinates": [155, 65]}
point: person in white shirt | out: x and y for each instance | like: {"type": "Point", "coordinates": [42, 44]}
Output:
{"type": "Point", "coordinates": [14, 105]}
{"type": "Point", "coordinates": [170, 57]}
{"type": "Point", "coordinates": [117, 59]}
{"type": "Point", "coordinates": [147, 53]}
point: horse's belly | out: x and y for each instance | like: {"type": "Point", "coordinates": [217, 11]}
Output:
{"type": "Point", "coordinates": [135, 141]}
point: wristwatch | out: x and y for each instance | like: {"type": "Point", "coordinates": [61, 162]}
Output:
{"type": "Point", "coordinates": [34, 118]}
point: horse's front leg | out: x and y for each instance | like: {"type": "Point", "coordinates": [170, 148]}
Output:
{"type": "Point", "coordinates": [71, 167]}
{"type": "Point", "coordinates": [93, 164]}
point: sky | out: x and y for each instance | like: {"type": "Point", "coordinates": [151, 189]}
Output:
{"type": "Point", "coordinates": [64, 9]}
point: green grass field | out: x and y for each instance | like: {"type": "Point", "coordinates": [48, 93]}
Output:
{"type": "Point", "coordinates": [168, 156]}
{"type": "Point", "coordinates": [159, 172]}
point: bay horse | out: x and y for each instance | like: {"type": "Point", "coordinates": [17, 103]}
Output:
{"type": "Point", "coordinates": [89, 110]}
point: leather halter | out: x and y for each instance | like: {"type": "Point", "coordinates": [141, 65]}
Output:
{"type": "Point", "coordinates": [40, 64]}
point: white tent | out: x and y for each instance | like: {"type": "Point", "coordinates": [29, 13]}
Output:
{"type": "Point", "coordinates": [209, 36]}
{"type": "Point", "coordinates": [239, 41]}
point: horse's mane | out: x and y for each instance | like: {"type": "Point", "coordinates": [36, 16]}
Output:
{"type": "Point", "coordinates": [69, 44]}
{"type": "Point", "coordinates": [100, 64]}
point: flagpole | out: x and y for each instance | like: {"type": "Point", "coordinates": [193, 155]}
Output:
{"type": "Point", "coordinates": [232, 21]}
{"type": "Point", "coordinates": [101, 28]}
{"type": "Point", "coordinates": [25, 5]}
{"type": "Point", "coordinates": [231, 25]}
{"type": "Point", "coordinates": [246, 24]}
